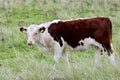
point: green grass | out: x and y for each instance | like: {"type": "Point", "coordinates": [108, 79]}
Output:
{"type": "Point", "coordinates": [18, 61]}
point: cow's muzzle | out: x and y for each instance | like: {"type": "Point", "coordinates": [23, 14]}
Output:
{"type": "Point", "coordinates": [30, 42]}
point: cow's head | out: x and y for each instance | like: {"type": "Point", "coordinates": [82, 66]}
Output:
{"type": "Point", "coordinates": [33, 33]}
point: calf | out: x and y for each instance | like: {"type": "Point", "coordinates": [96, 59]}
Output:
{"type": "Point", "coordinates": [79, 34]}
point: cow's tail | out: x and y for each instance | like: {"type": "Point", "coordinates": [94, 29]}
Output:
{"type": "Point", "coordinates": [109, 46]}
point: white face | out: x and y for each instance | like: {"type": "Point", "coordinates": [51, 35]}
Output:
{"type": "Point", "coordinates": [33, 33]}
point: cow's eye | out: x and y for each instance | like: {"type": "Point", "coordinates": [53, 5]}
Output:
{"type": "Point", "coordinates": [36, 33]}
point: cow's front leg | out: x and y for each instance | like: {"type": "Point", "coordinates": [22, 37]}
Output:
{"type": "Point", "coordinates": [65, 58]}
{"type": "Point", "coordinates": [57, 52]}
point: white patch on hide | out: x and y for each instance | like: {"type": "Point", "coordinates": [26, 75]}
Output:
{"type": "Point", "coordinates": [87, 44]}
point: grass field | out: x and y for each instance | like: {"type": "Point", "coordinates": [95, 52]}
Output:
{"type": "Point", "coordinates": [19, 61]}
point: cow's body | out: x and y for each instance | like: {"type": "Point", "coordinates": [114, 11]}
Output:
{"type": "Point", "coordinates": [80, 34]}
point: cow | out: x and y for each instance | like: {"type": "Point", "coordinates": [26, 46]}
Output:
{"type": "Point", "coordinates": [77, 34]}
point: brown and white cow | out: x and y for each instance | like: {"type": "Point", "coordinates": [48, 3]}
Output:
{"type": "Point", "coordinates": [79, 34]}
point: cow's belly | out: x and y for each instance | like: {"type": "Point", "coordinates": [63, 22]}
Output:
{"type": "Point", "coordinates": [80, 48]}
{"type": "Point", "coordinates": [83, 48]}
{"type": "Point", "coordinates": [86, 44]}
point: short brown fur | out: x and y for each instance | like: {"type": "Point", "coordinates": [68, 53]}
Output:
{"type": "Point", "coordinates": [99, 28]}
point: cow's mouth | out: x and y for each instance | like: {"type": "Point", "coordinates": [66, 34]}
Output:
{"type": "Point", "coordinates": [30, 44]}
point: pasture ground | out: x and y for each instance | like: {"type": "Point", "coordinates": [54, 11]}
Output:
{"type": "Point", "coordinates": [19, 61]}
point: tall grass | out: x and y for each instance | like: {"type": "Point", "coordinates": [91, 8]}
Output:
{"type": "Point", "coordinates": [19, 61]}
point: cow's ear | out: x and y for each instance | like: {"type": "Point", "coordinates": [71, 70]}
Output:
{"type": "Point", "coordinates": [23, 29]}
{"type": "Point", "coordinates": [41, 30]}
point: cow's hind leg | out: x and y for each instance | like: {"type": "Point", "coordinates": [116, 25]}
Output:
{"type": "Point", "coordinates": [97, 58]}
{"type": "Point", "coordinates": [111, 55]}
{"type": "Point", "coordinates": [98, 53]}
